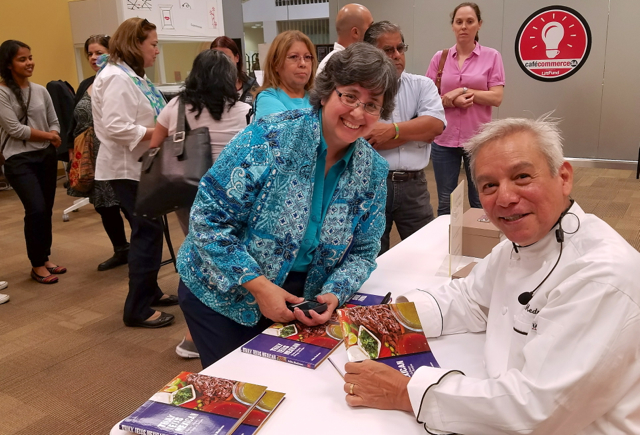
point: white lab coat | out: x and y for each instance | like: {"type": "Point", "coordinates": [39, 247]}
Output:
{"type": "Point", "coordinates": [566, 363]}
{"type": "Point", "coordinates": [121, 116]}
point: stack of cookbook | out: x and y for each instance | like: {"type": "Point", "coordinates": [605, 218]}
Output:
{"type": "Point", "coordinates": [197, 404]}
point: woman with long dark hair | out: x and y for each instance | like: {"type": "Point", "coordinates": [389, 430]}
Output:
{"type": "Point", "coordinates": [29, 136]}
{"type": "Point", "coordinates": [125, 105]}
{"type": "Point", "coordinates": [244, 84]}
{"type": "Point", "coordinates": [211, 101]}
{"type": "Point", "coordinates": [101, 195]}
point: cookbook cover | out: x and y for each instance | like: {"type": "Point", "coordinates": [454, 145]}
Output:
{"type": "Point", "coordinates": [259, 416]}
{"type": "Point", "coordinates": [306, 346]}
{"type": "Point", "coordinates": [296, 343]}
{"type": "Point", "coordinates": [391, 334]}
{"type": "Point", "coordinates": [194, 404]}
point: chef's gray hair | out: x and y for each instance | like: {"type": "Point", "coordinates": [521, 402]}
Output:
{"type": "Point", "coordinates": [545, 131]}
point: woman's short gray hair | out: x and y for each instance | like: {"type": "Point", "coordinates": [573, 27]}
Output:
{"type": "Point", "coordinates": [545, 131]}
{"type": "Point", "coordinates": [360, 64]}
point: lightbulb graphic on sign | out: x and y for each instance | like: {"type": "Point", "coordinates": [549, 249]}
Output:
{"type": "Point", "coordinates": [553, 43]}
{"type": "Point", "coordinates": [552, 34]}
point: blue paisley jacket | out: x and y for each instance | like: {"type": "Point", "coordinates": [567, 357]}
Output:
{"type": "Point", "coordinates": [252, 209]}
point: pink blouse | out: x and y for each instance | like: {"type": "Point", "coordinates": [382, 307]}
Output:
{"type": "Point", "coordinates": [481, 70]}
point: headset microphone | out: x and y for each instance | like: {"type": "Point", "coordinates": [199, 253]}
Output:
{"type": "Point", "coordinates": [525, 297]}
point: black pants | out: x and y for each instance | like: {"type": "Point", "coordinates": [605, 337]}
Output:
{"type": "Point", "coordinates": [145, 255]}
{"type": "Point", "coordinates": [409, 206]}
{"type": "Point", "coordinates": [216, 335]}
{"type": "Point", "coordinates": [33, 176]}
{"type": "Point", "coordinates": [114, 224]}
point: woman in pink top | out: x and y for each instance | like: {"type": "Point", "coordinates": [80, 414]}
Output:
{"type": "Point", "coordinates": [472, 82]}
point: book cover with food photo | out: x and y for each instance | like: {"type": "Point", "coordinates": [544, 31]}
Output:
{"type": "Point", "coordinates": [296, 343]}
{"type": "Point", "coordinates": [259, 416]}
{"type": "Point", "coordinates": [311, 344]}
{"type": "Point", "coordinates": [194, 404]}
{"type": "Point", "coordinates": [391, 334]}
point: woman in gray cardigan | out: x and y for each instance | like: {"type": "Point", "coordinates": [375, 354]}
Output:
{"type": "Point", "coordinates": [29, 135]}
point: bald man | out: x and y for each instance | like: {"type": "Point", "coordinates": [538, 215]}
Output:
{"type": "Point", "coordinates": [351, 23]}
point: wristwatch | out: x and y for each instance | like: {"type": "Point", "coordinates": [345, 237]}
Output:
{"type": "Point", "coordinates": [465, 89]}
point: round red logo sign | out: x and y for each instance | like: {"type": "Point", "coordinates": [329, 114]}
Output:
{"type": "Point", "coordinates": [553, 43]}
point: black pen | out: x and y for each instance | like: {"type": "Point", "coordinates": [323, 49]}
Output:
{"type": "Point", "coordinates": [386, 299]}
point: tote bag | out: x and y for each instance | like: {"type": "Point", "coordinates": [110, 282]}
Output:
{"type": "Point", "coordinates": [171, 174]}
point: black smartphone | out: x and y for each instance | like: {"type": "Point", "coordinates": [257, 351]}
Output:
{"type": "Point", "coordinates": [307, 306]}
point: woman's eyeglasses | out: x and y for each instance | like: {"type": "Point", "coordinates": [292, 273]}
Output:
{"type": "Point", "coordinates": [295, 58]}
{"type": "Point", "coordinates": [351, 100]}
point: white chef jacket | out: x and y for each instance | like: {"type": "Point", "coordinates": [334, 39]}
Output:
{"type": "Point", "coordinates": [566, 363]}
{"type": "Point", "coordinates": [121, 116]}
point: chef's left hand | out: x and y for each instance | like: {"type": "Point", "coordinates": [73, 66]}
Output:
{"type": "Point", "coordinates": [375, 385]}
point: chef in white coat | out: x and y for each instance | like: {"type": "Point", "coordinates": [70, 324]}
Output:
{"type": "Point", "coordinates": [559, 301]}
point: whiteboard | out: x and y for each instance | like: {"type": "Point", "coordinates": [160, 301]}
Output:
{"type": "Point", "coordinates": [177, 19]}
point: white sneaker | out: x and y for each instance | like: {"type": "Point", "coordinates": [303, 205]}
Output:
{"type": "Point", "coordinates": [5, 298]}
{"type": "Point", "coordinates": [3, 285]}
{"type": "Point", "coordinates": [186, 349]}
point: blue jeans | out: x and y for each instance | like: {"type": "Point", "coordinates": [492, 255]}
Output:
{"type": "Point", "coordinates": [446, 168]}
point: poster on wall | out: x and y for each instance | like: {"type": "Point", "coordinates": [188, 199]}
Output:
{"type": "Point", "coordinates": [139, 5]}
{"type": "Point", "coordinates": [553, 43]}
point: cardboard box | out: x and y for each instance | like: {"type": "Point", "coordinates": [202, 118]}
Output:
{"type": "Point", "coordinates": [479, 236]}
{"type": "Point", "coordinates": [464, 272]}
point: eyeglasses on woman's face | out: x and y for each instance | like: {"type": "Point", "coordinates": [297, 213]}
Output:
{"type": "Point", "coordinates": [296, 58]}
{"type": "Point", "coordinates": [351, 100]}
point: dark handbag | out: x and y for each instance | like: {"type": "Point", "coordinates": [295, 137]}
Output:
{"type": "Point", "coordinates": [171, 174]}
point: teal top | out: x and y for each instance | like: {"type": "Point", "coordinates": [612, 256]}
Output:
{"type": "Point", "coordinates": [323, 190]}
{"type": "Point", "coordinates": [275, 100]}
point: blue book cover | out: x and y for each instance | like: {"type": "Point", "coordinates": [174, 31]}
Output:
{"type": "Point", "coordinates": [364, 300]}
{"type": "Point", "coordinates": [295, 343]}
{"type": "Point", "coordinates": [195, 404]}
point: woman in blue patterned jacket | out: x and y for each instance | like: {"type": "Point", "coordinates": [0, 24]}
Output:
{"type": "Point", "coordinates": [292, 209]}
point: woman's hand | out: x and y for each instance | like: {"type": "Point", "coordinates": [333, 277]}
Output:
{"type": "Point", "coordinates": [55, 138]}
{"type": "Point", "coordinates": [318, 319]}
{"type": "Point", "coordinates": [464, 101]}
{"type": "Point", "coordinates": [449, 97]}
{"type": "Point", "coordinates": [375, 385]}
{"type": "Point", "coordinates": [272, 299]}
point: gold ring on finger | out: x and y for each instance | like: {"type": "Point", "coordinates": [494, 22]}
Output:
{"type": "Point", "coordinates": [351, 389]}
